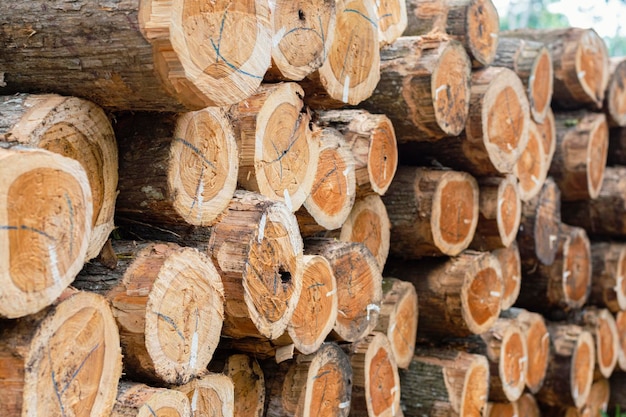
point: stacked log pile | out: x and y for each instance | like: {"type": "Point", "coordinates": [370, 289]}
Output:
{"type": "Point", "coordinates": [192, 224]}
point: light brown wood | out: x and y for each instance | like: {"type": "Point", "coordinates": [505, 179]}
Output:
{"type": "Point", "coordinates": [564, 284]}
{"type": "Point", "coordinates": [615, 95]}
{"type": "Point", "coordinates": [135, 399]}
{"type": "Point", "coordinates": [581, 64]}
{"type": "Point", "coordinates": [46, 214]}
{"type": "Point", "coordinates": [511, 266]}
{"type": "Point", "coordinates": [351, 69]}
{"type": "Point", "coordinates": [375, 383]}
{"type": "Point", "coordinates": [391, 17]}
{"type": "Point", "coordinates": [278, 155]}
{"type": "Point", "coordinates": [359, 286]}
{"type": "Point", "coordinates": [502, 410]}
{"type": "Point", "coordinates": [210, 395]}
{"type": "Point", "coordinates": [500, 211]}
{"type": "Point", "coordinates": [176, 169]}
{"type": "Point", "coordinates": [74, 128]}
{"type": "Point", "coordinates": [64, 360]}
{"type": "Point", "coordinates": [581, 153]}
{"type": "Point", "coordinates": [432, 212]}
{"type": "Point", "coordinates": [570, 371]}
{"type": "Point", "coordinates": [169, 306]}
{"type": "Point", "coordinates": [620, 323]}
{"type": "Point", "coordinates": [334, 189]}
{"type": "Point", "coordinates": [527, 406]}
{"type": "Point", "coordinates": [319, 384]}
{"type": "Point", "coordinates": [372, 140]}
{"type": "Point", "coordinates": [532, 62]}
{"type": "Point", "coordinates": [608, 283]}
{"type": "Point", "coordinates": [475, 23]}
{"type": "Point", "coordinates": [424, 88]}
{"type": "Point", "coordinates": [533, 164]}
{"type": "Point", "coordinates": [138, 55]}
{"type": "Point", "coordinates": [399, 314]}
{"type": "Point", "coordinates": [459, 296]}
{"type": "Point", "coordinates": [598, 398]}
{"type": "Point", "coordinates": [249, 383]}
{"type": "Point", "coordinates": [455, 382]}
{"type": "Point", "coordinates": [547, 131]}
{"type": "Point", "coordinates": [603, 216]}
{"type": "Point", "coordinates": [601, 324]}
{"type": "Point", "coordinates": [303, 32]}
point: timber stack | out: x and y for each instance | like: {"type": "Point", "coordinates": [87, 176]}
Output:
{"type": "Point", "coordinates": [308, 208]}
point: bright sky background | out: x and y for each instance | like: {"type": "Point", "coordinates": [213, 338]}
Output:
{"type": "Point", "coordinates": [605, 17]}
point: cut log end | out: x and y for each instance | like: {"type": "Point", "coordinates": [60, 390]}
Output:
{"type": "Point", "coordinates": [607, 342]}
{"type": "Point", "coordinates": [510, 264]}
{"type": "Point", "coordinates": [249, 385]}
{"type": "Point", "coordinates": [455, 212]}
{"type": "Point", "coordinates": [547, 133]}
{"type": "Point", "coordinates": [382, 158]}
{"type": "Point", "coordinates": [540, 85]}
{"type": "Point", "coordinates": [509, 210]}
{"type": "Point", "coordinates": [475, 388]}
{"type": "Point", "coordinates": [538, 345]}
{"type": "Point", "coordinates": [582, 366]}
{"type": "Point", "coordinates": [481, 295]}
{"type": "Point", "coordinates": [532, 167]}
{"type": "Point", "coordinates": [592, 66]}
{"type": "Point", "coordinates": [318, 300]}
{"type": "Point", "coordinates": [210, 395]}
{"type": "Point", "coordinates": [599, 397]}
{"type": "Point", "coordinates": [597, 156]}
{"type": "Point", "coordinates": [483, 25]}
{"type": "Point", "coordinates": [615, 96]}
{"type": "Point", "coordinates": [392, 20]}
{"type": "Point", "coordinates": [45, 228]}
{"type": "Point", "coordinates": [620, 323]}
{"type": "Point", "coordinates": [503, 410]}
{"type": "Point", "coordinates": [576, 274]}
{"type": "Point", "coordinates": [144, 401]}
{"type": "Point", "coordinates": [513, 363]}
{"type": "Point", "coordinates": [527, 406]}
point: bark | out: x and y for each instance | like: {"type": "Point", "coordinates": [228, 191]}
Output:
{"type": "Point", "coordinates": [63, 360]}
{"type": "Point", "coordinates": [424, 88]}
{"type": "Point", "coordinates": [615, 95]}
{"type": "Point", "coordinates": [176, 169]}
{"type": "Point", "coordinates": [74, 128]}
{"type": "Point", "coordinates": [210, 395]}
{"type": "Point", "coordinates": [351, 69]}
{"type": "Point", "coordinates": [608, 286]}
{"type": "Point", "coordinates": [432, 212]}
{"type": "Point", "coordinates": [168, 303]}
{"type": "Point", "coordinates": [137, 55]}
{"type": "Point", "coordinates": [458, 297]}
{"type": "Point", "coordinates": [45, 227]}
{"type": "Point", "coordinates": [141, 400]}
{"type": "Point", "coordinates": [511, 265]}
{"type": "Point", "coordinates": [581, 153]}
{"type": "Point", "coordinates": [475, 23]}
{"type": "Point", "coordinates": [533, 164]}
{"type": "Point", "coordinates": [278, 155]}
{"type": "Point", "coordinates": [372, 141]}
{"type": "Point", "coordinates": [359, 286]}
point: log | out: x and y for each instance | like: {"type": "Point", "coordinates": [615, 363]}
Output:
{"type": "Point", "coordinates": [581, 153]}
{"type": "Point", "coordinates": [459, 296]}
{"type": "Point", "coordinates": [475, 23]}
{"type": "Point", "coordinates": [565, 284]}
{"type": "Point", "coordinates": [617, 146]}
{"type": "Point", "coordinates": [424, 88]}
{"type": "Point", "coordinates": [141, 400]}
{"type": "Point", "coordinates": [500, 211]}
{"type": "Point", "coordinates": [511, 266]}
{"type": "Point", "coordinates": [527, 406]}
{"type": "Point", "coordinates": [249, 383]}
{"type": "Point", "coordinates": [319, 384]}
{"type": "Point", "coordinates": [608, 283]}
{"type": "Point", "coordinates": [351, 69]}
{"type": "Point", "coordinates": [547, 131]}
{"type": "Point", "coordinates": [376, 383]}
{"type": "Point", "coordinates": [45, 227]}
{"type": "Point", "coordinates": [432, 212]}
{"type": "Point", "coordinates": [210, 395]}
{"type": "Point", "coordinates": [502, 410]}
{"type": "Point", "coordinates": [372, 140]}
{"type": "Point", "coordinates": [399, 313]}
{"type": "Point", "coordinates": [533, 164]}
{"type": "Point", "coordinates": [436, 377]}
{"type": "Point", "coordinates": [532, 62]}
{"type": "Point", "coordinates": [598, 398]}
{"type": "Point", "coordinates": [359, 286]}
{"type": "Point", "coordinates": [63, 360]}
{"type": "Point", "coordinates": [581, 64]}
{"type": "Point", "coordinates": [169, 306]}
{"type": "Point", "coordinates": [278, 155]}
{"type": "Point", "coordinates": [620, 323]}
{"type": "Point", "coordinates": [539, 227]}
{"type": "Point", "coordinates": [570, 371]}
{"type": "Point", "coordinates": [74, 128]}
{"type": "Point", "coordinates": [537, 340]}
{"type": "Point", "coordinates": [334, 188]}
{"type": "Point", "coordinates": [615, 95]}
{"type": "Point", "coordinates": [303, 33]}
{"type": "Point", "coordinates": [618, 391]}
{"type": "Point", "coordinates": [176, 169]}
{"type": "Point", "coordinates": [603, 216]}
{"type": "Point", "coordinates": [137, 55]}
{"type": "Point", "coordinates": [391, 17]}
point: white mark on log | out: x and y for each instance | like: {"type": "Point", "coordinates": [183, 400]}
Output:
{"type": "Point", "coordinates": [535, 179]}
{"type": "Point", "coordinates": [494, 35]}
{"type": "Point", "coordinates": [545, 337]}
{"type": "Point", "coordinates": [515, 278]}
{"type": "Point", "coordinates": [467, 221]}
{"type": "Point", "coordinates": [344, 405]}
{"type": "Point", "coordinates": [199, 199]}
{"type": "Point", "coordinates": [346, 89]}
{"type": "Point", "coordinates": [278, 36]}
{"type": "Point", "coordinates": [194, 400]}
{"type": "Point", "coordinates": [553, 239]}
{"type": "Point", "coordinates": [495, 293]}
{"type": "Point", "coordinates": [581, 74]}
{"type": "Point", "coordinates": [392, 327]}
{"type": "Point", "coordinates": [54, 265]}
{"type": "Point", "coordinates": [372, 307]}
{"type": "Point", "coordinates": [342, 313]}
{"type": "Point", "coordinates": [152, 192]}
{"type": "Point", "coordinates": [531, 78]}
{"type": "Point", "coordinates": [618, 284]}
{"type": "Point", "coordinates": [248, 176]}
{"type": "Point", "coordinates": [509, 146]}
{"type": "Point", "coordinates": [287, 198]}
{"type": "Point", "coordinates": [439, 90]}
{"type": "Point", "coordinates": [331, 293]}
{"type": "Point", "coordinates": [262, 227]}
{"type": "Point", "coordinates": [566, 274]}
{"type": "Point", "coordinates": [193, 356]}
{"type": "Point", "coordinates": [522, 361]}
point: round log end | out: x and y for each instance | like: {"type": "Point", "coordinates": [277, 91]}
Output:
{"type": "Point", "coordinates": [581, 371]}
{"type": "Point", "coordinates": [532, 167]}
{"type": "Point", "coordinates": [203, 173]}
{"type": "Point", "coordinates": [318, 300]}
{"type": "Point", "coordinates": [454, 212]}
{"type": "Point", "coordinates": [74, 358]}
{"type": "Point", "coordinates": [475, 388]}
{"type": "Point", "coordinates": [403, 319]}
{"type": "Point", "coordinates": [540, 85]}
{"type": "Point", "coordinates": [616, 93]}
{"type": "Point", "coordinates": [592, 67]}
{"type": "Point", "coordinates": [481, 294]}
{"type": "Point", "coordinates": [382, 381]}
{"type": "Point", "coordinates": [144, 401]}
{"type": "Point", "coordinates": [545, 229]}
{"type": "Point", "coordinates": [211, 395]}
{"type": "Point", "coordinates": [576, 280]}
{"type": "Point", "coordinates": [620, 280]}
{"type": "Point", "coordinates": [185, 315]}
{"type": "Point", "coordinates": [382, 158]}
{"type": "Point", "coordinates": [509, 210]}
{"type": "Point", "coordinates": [620, 323]}
{"type": "Point", "coordinates": [392, 20]}
{"type": "Point", "coordinates": [607, 342]}
{"type": "Point", "coordinates": [483, 28]}
{"type": "Point", "coordinates": [249, 384]}
{"type": "Point", "coordinates": [547, 133]}
{"type": "Point", "coordinates": [599, 397]}
{"type": "Point", "coordinates": [527, 406]}
{"type": "Point", "coordinates": [45, 227]}
{"type": "Point", "coordinates": [597, 152]}
{"type": "Point", "coordinates": [538, 346]}
{"type": "Point", "coordinates": [513, 363]}
{"type": "Point", "coordinates": [511, 266]}
{"type": "Point", "coordinates": [502, 410]}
